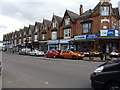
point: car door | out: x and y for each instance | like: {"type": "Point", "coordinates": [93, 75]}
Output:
{"type": "Point", "coordinates": [69, 54]}
{"type": "Point", "coordinates": [64, 53]}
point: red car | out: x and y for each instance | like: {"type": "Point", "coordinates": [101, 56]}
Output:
{"type": "Point", "coordinates": [53, 53]}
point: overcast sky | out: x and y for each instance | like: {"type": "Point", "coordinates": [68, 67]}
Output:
{"type": "Point", "coordinates": [15, 14]}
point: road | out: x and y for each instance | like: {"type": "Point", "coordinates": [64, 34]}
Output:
{"type": "Point", "coordinates": [40, 72]}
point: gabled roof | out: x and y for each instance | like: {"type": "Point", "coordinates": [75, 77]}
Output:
{"type": "Point", "coordinates": [38, 24]}
{"type": "Point", "coordinates": [71, 14]}
{"type": "Point", "coordinates": [59, 19]}
{"type": "Point", "coordinates": [46, 22]}
{"type": "Point", "coordinates": [31, 27]}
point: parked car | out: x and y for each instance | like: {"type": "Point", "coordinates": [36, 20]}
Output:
{"type": "Point", "coordinates": [71, 54]}
{"type": "Point", "coordinates": [24, 51]}
{"type": "Point", "coordinates": [115, 54]}
{"type": "Point", "coordinates": [37, 53]}
{"type": "Point", "coordinates": [106, 76]}
{"type": "Point", "coordinates": [1, 67]}
{"type": "Point", "coordinates": [95, 53]}
{"type": "Point", "coordinates": [53, 53]}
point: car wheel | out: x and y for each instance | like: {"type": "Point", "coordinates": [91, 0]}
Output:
{"type": "Point", "coordinates": [113, 86]}
{"type": "Point", "coordinates": [54, 56]}
{"type": "Point", "coordinates": [61, 57]}
{"type": "Point", "coordinates": [46, 56]}
{"type": "Point", "coordinates": [74, 57]}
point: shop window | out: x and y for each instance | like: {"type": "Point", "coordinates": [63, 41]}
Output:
{"type": "Point", "coordinates": [54, 35]}
{"type": "Point", "coordinates": [67, 21]}
{"type": "Point", "coordinates": [105, 11]}
{"type": "Point", "coordinates": [67, 33]}
{"type": "Point", "coordinates": [86, 28]}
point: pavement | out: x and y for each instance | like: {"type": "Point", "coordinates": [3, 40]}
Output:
{"type": "Point", "coordinates": [21, 71]}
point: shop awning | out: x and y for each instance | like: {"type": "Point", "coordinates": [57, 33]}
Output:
{"type": "Point", "coordinates": [83, 40]}
{"type": "Point", "coordinates": [108, 37]}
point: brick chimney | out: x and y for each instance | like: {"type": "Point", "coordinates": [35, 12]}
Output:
{"type": "Point", "coordinates": [81, 9]}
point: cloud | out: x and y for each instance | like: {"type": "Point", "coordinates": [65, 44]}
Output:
{"type": "Point", "coordinates": [15, 14]}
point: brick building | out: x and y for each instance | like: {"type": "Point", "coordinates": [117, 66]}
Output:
{"type": "Point", "coordinates": [92, 25]}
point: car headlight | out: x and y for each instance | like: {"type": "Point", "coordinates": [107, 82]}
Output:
{"type": "Point", "coordinates": [99, 69]}
{"type": "Point", "coordinates": [79, 54]}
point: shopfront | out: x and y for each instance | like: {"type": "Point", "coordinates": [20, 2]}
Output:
{"type": "Point", "coordinates": [53, 44]}
{"type": "Point", "coordinates": [65, 44]}
{"type": "Point", "coordinates": [43, 46]}
{"type": "Point", "coordinates": [109, 40]}
{"type": "Point", "coordinates": [85, 42]}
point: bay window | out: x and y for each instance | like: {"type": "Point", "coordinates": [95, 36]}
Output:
{"type": "Point", "coordinates": [54, 35]}
{"type": "Point", "coordinates": [67, 33]}
{"type": "Point", "coordinates": [105, 11]}
{"type": "Point", "coordinates": [35, 37]}
{"type": "Point", "coordinates": [86, 28]}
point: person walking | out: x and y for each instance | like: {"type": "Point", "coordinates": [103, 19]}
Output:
{"type": "Point", "coordinates": [101, 56]}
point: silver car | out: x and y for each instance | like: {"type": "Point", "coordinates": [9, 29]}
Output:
{"type": "Point", "coordinates": [36, 53]}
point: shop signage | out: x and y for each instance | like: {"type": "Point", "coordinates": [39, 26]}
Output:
{"type": "Point", "coordinates": [82, 37]}
{"type": "Point", "coordinates": [108, 33]}
{"type": "Point", "coordinates": [66, 41]}
{"type": "Point", "coordinates": [53, 41]}
{"type": "Point", "coordinates": [92, 36]}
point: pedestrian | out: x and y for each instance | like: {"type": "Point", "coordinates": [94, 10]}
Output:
{"type": "Point", "coordinates": [101, 55]}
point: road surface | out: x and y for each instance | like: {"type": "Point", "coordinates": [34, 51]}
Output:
{"type": "Point", "coordinates": [40, 72]}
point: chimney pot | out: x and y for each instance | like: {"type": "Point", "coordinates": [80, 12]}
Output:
{"type": "Point", "coordinates": [81, 9]}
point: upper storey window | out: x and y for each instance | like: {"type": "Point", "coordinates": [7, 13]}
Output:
{"type": "Point", "coordinates": [67, 21]}
{"type": "Point", "coordinates": [105, 11]}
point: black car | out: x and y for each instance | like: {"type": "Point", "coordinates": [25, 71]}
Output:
{"type": "Point", "coordinates": [106, 76]}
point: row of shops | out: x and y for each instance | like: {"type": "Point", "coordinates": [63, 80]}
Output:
{"type": "Point", "coordinates": [106, 41]}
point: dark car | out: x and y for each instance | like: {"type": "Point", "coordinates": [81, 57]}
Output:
{"type": "Point", "coordinates": [107, 76]}
{"type": "Point", "coordinates": [53, 53]}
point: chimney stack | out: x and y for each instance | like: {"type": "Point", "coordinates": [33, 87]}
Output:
{"type": "Point", "coordinates": [81, 9]}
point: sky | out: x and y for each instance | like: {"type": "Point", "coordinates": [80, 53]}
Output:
{"type": "Point", "coordinates": [15, 14]}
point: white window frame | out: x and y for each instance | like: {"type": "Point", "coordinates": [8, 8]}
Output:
{"type": "Point", "coordinates": [43, 36]}
{"type": "Point", "coordinates": [54, 24]}
{"type": "Point", "coordinates": [20, 41]}
{"type": "Point", "coordinates": [54, 35]}
{"type": "Point", "coordinates": [24, 33]}
{"type": "Point", "coordinates": [24, 39]}
{"type": "Point", "coordinates": [67, 33]}
{"type": "Point", "coordinates": [35, 37]}
{"type": "Point", "coordinates": [105, 11]}
{"type": "Point", "coordinates": [67, 21]}
{"type": "Point", "coordinates": [36, 29]}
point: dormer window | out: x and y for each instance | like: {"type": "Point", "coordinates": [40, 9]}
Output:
{"type": "Point", "coordinates": [43, 36]}
{"type": "Point", "coordinates": [29, 31]}
{"type": "Point", "coordinates": [54, 24]}
{"type": "Point", "coordinates": [24, 33]}
{"type": "Point", "coordinates": [67, 21]}
{"type": "Point", "coordinates": [20, 34]}
{"type": "Point", "coordinates": [36, 29]}
{"type": "Point", "coordinates": [105, 11]}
